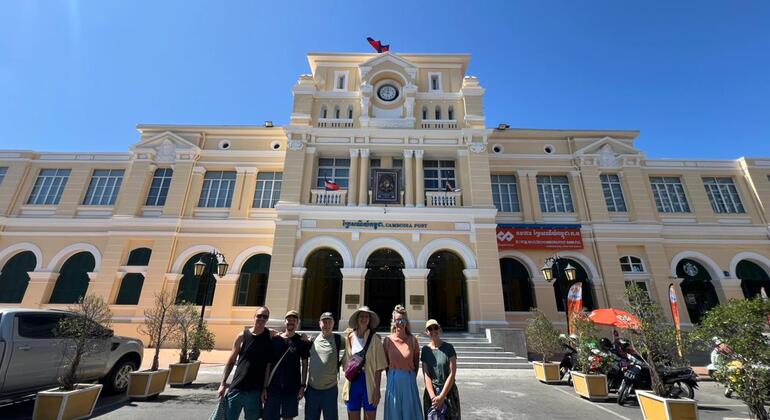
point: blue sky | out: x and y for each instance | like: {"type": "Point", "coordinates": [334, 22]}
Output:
{"type": "Point", "coordinates": [692, 76]}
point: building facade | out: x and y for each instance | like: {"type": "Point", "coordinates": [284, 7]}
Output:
{"type": "Point", "coordinates": [386, 187]}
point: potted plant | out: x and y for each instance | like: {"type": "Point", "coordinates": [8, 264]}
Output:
{"type": "Point", "coordinates": [189, 334]}
{"type": "Point", "coordinates": [74, 400]}
{"type": "Point", "coordinates": [158, 327]}
{"type": "Point", "coordinates": [590, 378]}
{"type": "Point", "coordinates": [742, 328]}
{"type": "Point", "coordinates": [656, 342]}
{"type": "Point", "coordinates": [543, 339]}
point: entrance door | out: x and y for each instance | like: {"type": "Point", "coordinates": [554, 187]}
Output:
{"type": "Point", "coordinates": [384, 284]}
{"type": "Point", "coordinates": [321, 288]}
{"type": "Point", "coordinates": [697, 289]}
{"type": "Point", "coordinates": [753, 279]}
{"type": "Point", "coordinates": [447, 297]}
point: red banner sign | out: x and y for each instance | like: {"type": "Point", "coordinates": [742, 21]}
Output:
{"type": "Point", "coordinates": [535, 236]}
{"type": "Point", "coordinates": [675, 314]}
{"type": "Point", "coordinates": [574, 304]}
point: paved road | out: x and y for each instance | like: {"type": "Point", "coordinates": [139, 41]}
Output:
{"type": "Point", "coordinates": [485, 394]}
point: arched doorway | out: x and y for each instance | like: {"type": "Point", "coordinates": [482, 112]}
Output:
{"type": "Point", "coordinates": [697, 289]}
{"type": "Point", "coordinates": [191, 289]}
{"type": "Point", "coordinates": [517, 287]}
{"type": "Point", "coordinates": [753, 278]}
{"type": "Point", "coordinates": [321, 287]}
{"type": "Point", "coordinates": [73, 278]}
{"type": "Point", "coordinates": [447, 295]}
{"type": "Point", "coordinates": [251, 289]}
{"type": "Point", "coordinates": [384, 288]}
{"type": "Point", "coordinates": [14, 278]}
{"type": "Point", "coordinates": [581, 276]}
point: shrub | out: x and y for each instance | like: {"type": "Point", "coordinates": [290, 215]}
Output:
{"type": "Point", "coordinates": [158, 324]}
{"type": "Point", "coordinates": [542, 336]}
{"type": "Point", "coordinates": [589, 358]}
{"type": "Point", "coordinates": [189, 336]}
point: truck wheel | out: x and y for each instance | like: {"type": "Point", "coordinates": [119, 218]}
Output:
{"type": "Point", "coordinates": [117, 380]}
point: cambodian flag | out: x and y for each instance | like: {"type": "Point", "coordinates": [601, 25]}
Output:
{"type": "Point", "coordinates": [330, 185]}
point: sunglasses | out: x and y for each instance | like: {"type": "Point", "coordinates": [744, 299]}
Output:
{"type": "Point", "coordinates": [263, 316]}
{"type": "Point", "coordinates": [433, 328]}
{"type": "Point", "coordinates": [400, 322]}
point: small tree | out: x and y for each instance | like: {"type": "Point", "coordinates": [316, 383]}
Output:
{"type": "Point", "coordinates": [589, 358]}
{"type": "Point", "coordinates": [92, 320]}
{"type": "Point", "coordinates": [158, 324]}
{"type": "Point", "coordinates": [742, 325]}
{"type": "Point", "coordinates": [187, 332]}
{"type": "Point", "coordinates": [542, 336]}
{"type": "Point", "coordinates": [656, 338]}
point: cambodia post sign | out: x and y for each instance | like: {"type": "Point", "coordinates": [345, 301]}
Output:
{"type": "Point", "coordinates": [539, 236]}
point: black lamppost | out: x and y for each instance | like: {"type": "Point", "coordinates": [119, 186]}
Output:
{"type": "Point", "coordinates": [210, 263]}
{"type": "Point", "coordinates": [564, 273]}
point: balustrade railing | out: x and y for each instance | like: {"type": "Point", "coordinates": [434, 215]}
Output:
{"type": "Point", "coordinates": [443, 198]}
{"type": "Point", "coordinates": [328, 198]}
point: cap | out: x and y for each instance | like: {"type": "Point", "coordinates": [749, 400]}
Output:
{"type": "Point", "coordinates": [292, 313]}
{"type": "Point", "coordinates": [432, 322]}
{"type": "Point", "coordinates": [327, 315]}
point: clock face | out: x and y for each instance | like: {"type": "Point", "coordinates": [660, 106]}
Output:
{"type": "Point", "coordinates": [387, 93]}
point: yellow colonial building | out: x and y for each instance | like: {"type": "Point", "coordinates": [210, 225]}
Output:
{"type": "Point", "coordinates": [386, 187]}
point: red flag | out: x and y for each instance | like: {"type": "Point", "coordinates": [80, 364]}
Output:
{"type": "Point", "coordinates": [675, 314]}
{"type": "Point", "coordinates": [377, 45]}
{"type": "Point", "coordinates": [330, 185]}
{"type": "Point", "coordinates": [574, 303]}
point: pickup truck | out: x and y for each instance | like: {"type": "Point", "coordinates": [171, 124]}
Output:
{"type": "Point", "coordinates": [32, 358]}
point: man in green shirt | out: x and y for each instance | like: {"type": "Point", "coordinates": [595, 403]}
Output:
{"type": "Point", "coordinates": [321, 394]}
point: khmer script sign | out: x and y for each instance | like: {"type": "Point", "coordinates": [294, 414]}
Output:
{"type": "Point", "coordinates": [539, 236]}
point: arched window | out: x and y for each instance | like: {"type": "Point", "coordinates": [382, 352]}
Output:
{"type": "Point", "coordinates": [631, 264]}
{"type": "Point", "coordinates": [337, 111]}
{"type": "Point", "coordinates": [130, 289]}
{"type": "Point", "coordinates": [517, 288]}
{"type": "Point", "coordinates": [139, 256]}
{"type": "Point", "coordinates": [14, 278]}
{"type": "Point", "coordinates": [191, 289]}
{"type": "Point", "coordinates": [753, 279]}
{"type": "Point", "coordinates": [425, 113]}
{"type": "Point", "coordinates": [323, 111]}
{"type": "Point", "coordinates": [350, 112]}
{"type": "Point", "coordinates": [73, 278]}
{"type": "Point", "coordinates": [438, 112]}
{"type": "Point", "coordinates": [580, 276]}
{"type": "Point", "coordinates": [252, 282]}
{"type": "Point", "coordinates": [451, 113]}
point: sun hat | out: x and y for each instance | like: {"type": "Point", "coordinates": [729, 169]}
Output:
{"type": "Point", "coordinates": [326, 315]}
{"type": "Point", "coordinates": [374, 319]}
{"type": "Point", "coordinates": [432, 322]}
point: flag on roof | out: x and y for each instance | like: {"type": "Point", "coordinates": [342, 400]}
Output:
{"type": "Point", "coordinates": [377, 45]}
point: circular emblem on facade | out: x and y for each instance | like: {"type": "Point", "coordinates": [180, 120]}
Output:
{"type": "Point", "coordinates": [690, 269]}
{"type": "Point", "coordinates": [387, 93]}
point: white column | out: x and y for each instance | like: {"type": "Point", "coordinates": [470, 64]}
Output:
{"type": "Point", "coordinates": [353, 180]}
{"type": "Point", "coordinates": [408, 179]}
{"type": "Point", "coordinates": [419, 179]}
{"type": "Point", "coordinates": [363, 181]}
{"type": "Point", "coordinates": [416, 284]}
{"type": "Point", "coordinates": [474, 311]}
{"type": "Point", "coordinates": [352, 285]}
{"type": "Point", "coordinates": [295, 288]}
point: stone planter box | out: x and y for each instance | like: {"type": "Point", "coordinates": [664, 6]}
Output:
{"type": "Point", "coordinates": [591, 386]}
{"type": "Point", "coordinates": [146, 383]}
{"type": "Point", "coordinates": [183, 373]}
{"type": "Point", "coordinates": [547, 372]}
{"type": "Point", "coordinates": [659, 408]}
{"type": "Point", "coordinates": [67, 405]}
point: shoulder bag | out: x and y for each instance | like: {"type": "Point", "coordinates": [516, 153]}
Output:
{"type": "Point", "coordinates": [358, 360]}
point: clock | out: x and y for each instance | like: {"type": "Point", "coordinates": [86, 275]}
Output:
{"type": "Point", "coordinates": [387, 93]}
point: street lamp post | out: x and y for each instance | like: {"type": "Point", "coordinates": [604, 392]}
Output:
{"type": "Point", "coordinates": [564, 273]}
{"type": "Point", "coordinates": [210, 263]}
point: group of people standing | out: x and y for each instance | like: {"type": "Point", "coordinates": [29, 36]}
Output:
{"type": "Point", "coordinates": [274, 370]}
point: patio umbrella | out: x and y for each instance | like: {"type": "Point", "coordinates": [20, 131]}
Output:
{"type": "Point", "coordinates": [614, 318]}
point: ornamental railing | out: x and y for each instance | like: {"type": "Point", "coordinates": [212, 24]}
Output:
{"type": "Point", "coordinates": [443, 199]}
{"type": "Point", "coordinates": [328, 198]}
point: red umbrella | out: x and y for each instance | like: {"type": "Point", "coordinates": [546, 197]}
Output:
{"type": "Point", "coordinates": [614, 318]}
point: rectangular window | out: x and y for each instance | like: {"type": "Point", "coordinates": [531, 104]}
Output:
{"type": "Point", "coordinates": [341, 80]}
{"type": "Point", "coordinates": [723, 195]}
{"type": "Point", "coordinates": [398, 163]}
{"type": "Point", "coordinates": [104, 187]}
{"type": "Point", "coordinates": [554, 194]}
{"type": "Point", "coordinates": [505, 193]}
{"type": "Point", "coordinates": [435, 81]}
{"type": "Point", "coordinates": [49, 186]}
{"type": "Point", "coordinates": [3, 171]}
{"type": "Point", "coordinates": [217, 189]}
{"type": "Point", "coordinates": [438, 174]}
{"type": "Point", "coordinates": [613, 193]}
{"type": "Point", "coordinates": [38, 325]}
{"type": "Point", "coordinates": [669, 194]}
{"type": "Point", "coordinates": [161, 180]}
{"type": "Point", "coordinates": [268, 189]}
{"type": "Point", "coordinates": [335, 170]}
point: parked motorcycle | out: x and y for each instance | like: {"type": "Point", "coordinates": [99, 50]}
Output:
{"type": "Point", "coordinates": [569, 359]}
{"type": "Point", "coordinates": [681, 382]}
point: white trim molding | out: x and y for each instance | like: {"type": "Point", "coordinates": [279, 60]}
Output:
{"type": "Point", "coordinates": [534, 271]}
{"type": "Point", "coordinates": [189, 252]}
{"type": "Point", "coordinates": [593, 273]}
{"type": "Point", "coordinates": [467, 255]}
{"type": "Point", "coordinates": [14, 249]}
{"type": "Point", "coordinates": [58, 260]}
{"type": "Point", "coordinates": [304, 251]}
{"type": "Point", "coordinates": [714, 270]}
{"type": "Point", "coordinates": [758, 259]}
{"type": "Point", "coordinates": [380, 243]}
{"type": "Point", "coordinates": [238, 262]}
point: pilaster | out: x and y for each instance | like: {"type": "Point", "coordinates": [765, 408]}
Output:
{"type": "Point", "coordinates": [196, 186]}
{"type": "Point", "coordinates": [39, 288]}
{"type": "Point", "coordinates": [352, 285]}
{"type": "Point", "coordinates": [408, 178]}
{"type": "Point", "coordinates": [224, 296]}
{"type": "Point", "coordinates": [525, 196]}
{"type": "Point", "coordinates": [363, 179]}
{"type": "Point", "coordinates": [243, 193]}
{"type": "Point", "coordinates": [133, 192]}
{"type": "Point", "coordinates": [308, 174]}
{"type": "Point", "coordinates": [73, 191]}
{"type": "Point", "coordinates": [419, 181]}
{"type": "Point", "coordinates": [279, 287]}
{"type": "Point", "coordinates": [697, 197]}
{"type": "Point", "coordinates": [578, 199]}
{"type": "Point", "coordinates": [594, 195]}
{"type": "Point", "coordinates": [178, 189]}
{"type": "Point", "coordinates": [353, 180]}
{"type": "Point", "coordinates": [416, 284]}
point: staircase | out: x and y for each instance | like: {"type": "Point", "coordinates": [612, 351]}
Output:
{"type": "Point", "coordinates": [474, 351]}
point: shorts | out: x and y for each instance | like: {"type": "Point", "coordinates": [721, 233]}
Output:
{"type": "Point", "coordinates": [280, 404]}
{"type": "Point", "coordinates": [357, 396]}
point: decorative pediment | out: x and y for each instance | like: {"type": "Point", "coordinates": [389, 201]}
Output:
{"type": "Point", "coordinates": [608, 153]}
{"type": "Point", "coordinates": [165, 147]}
{"type": "Point", "coordinates": [388, 61]}
{"type": "Point", "coordinates": [616, 146]}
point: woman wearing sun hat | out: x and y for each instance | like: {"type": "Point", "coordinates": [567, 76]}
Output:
{"type": "Point", "coordinates": [364, 391]}
{"type": "Point", "coordinates": [439, 367]}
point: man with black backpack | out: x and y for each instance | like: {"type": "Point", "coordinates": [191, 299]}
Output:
{"type": "Point", "coordinates": [321, 393]}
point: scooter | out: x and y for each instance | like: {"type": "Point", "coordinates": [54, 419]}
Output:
{"type": "Point", "coordinates": [681, 382]}
{"type": "Point", "coordinates": [568, 360]}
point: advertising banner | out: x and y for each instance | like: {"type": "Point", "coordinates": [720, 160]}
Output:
{"type": "Point", "coordinates": [675, 314]}
{"type": "Point", "coordinates": [539, 236]}
{"type": "Point", "coordinates": [574, 303]}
